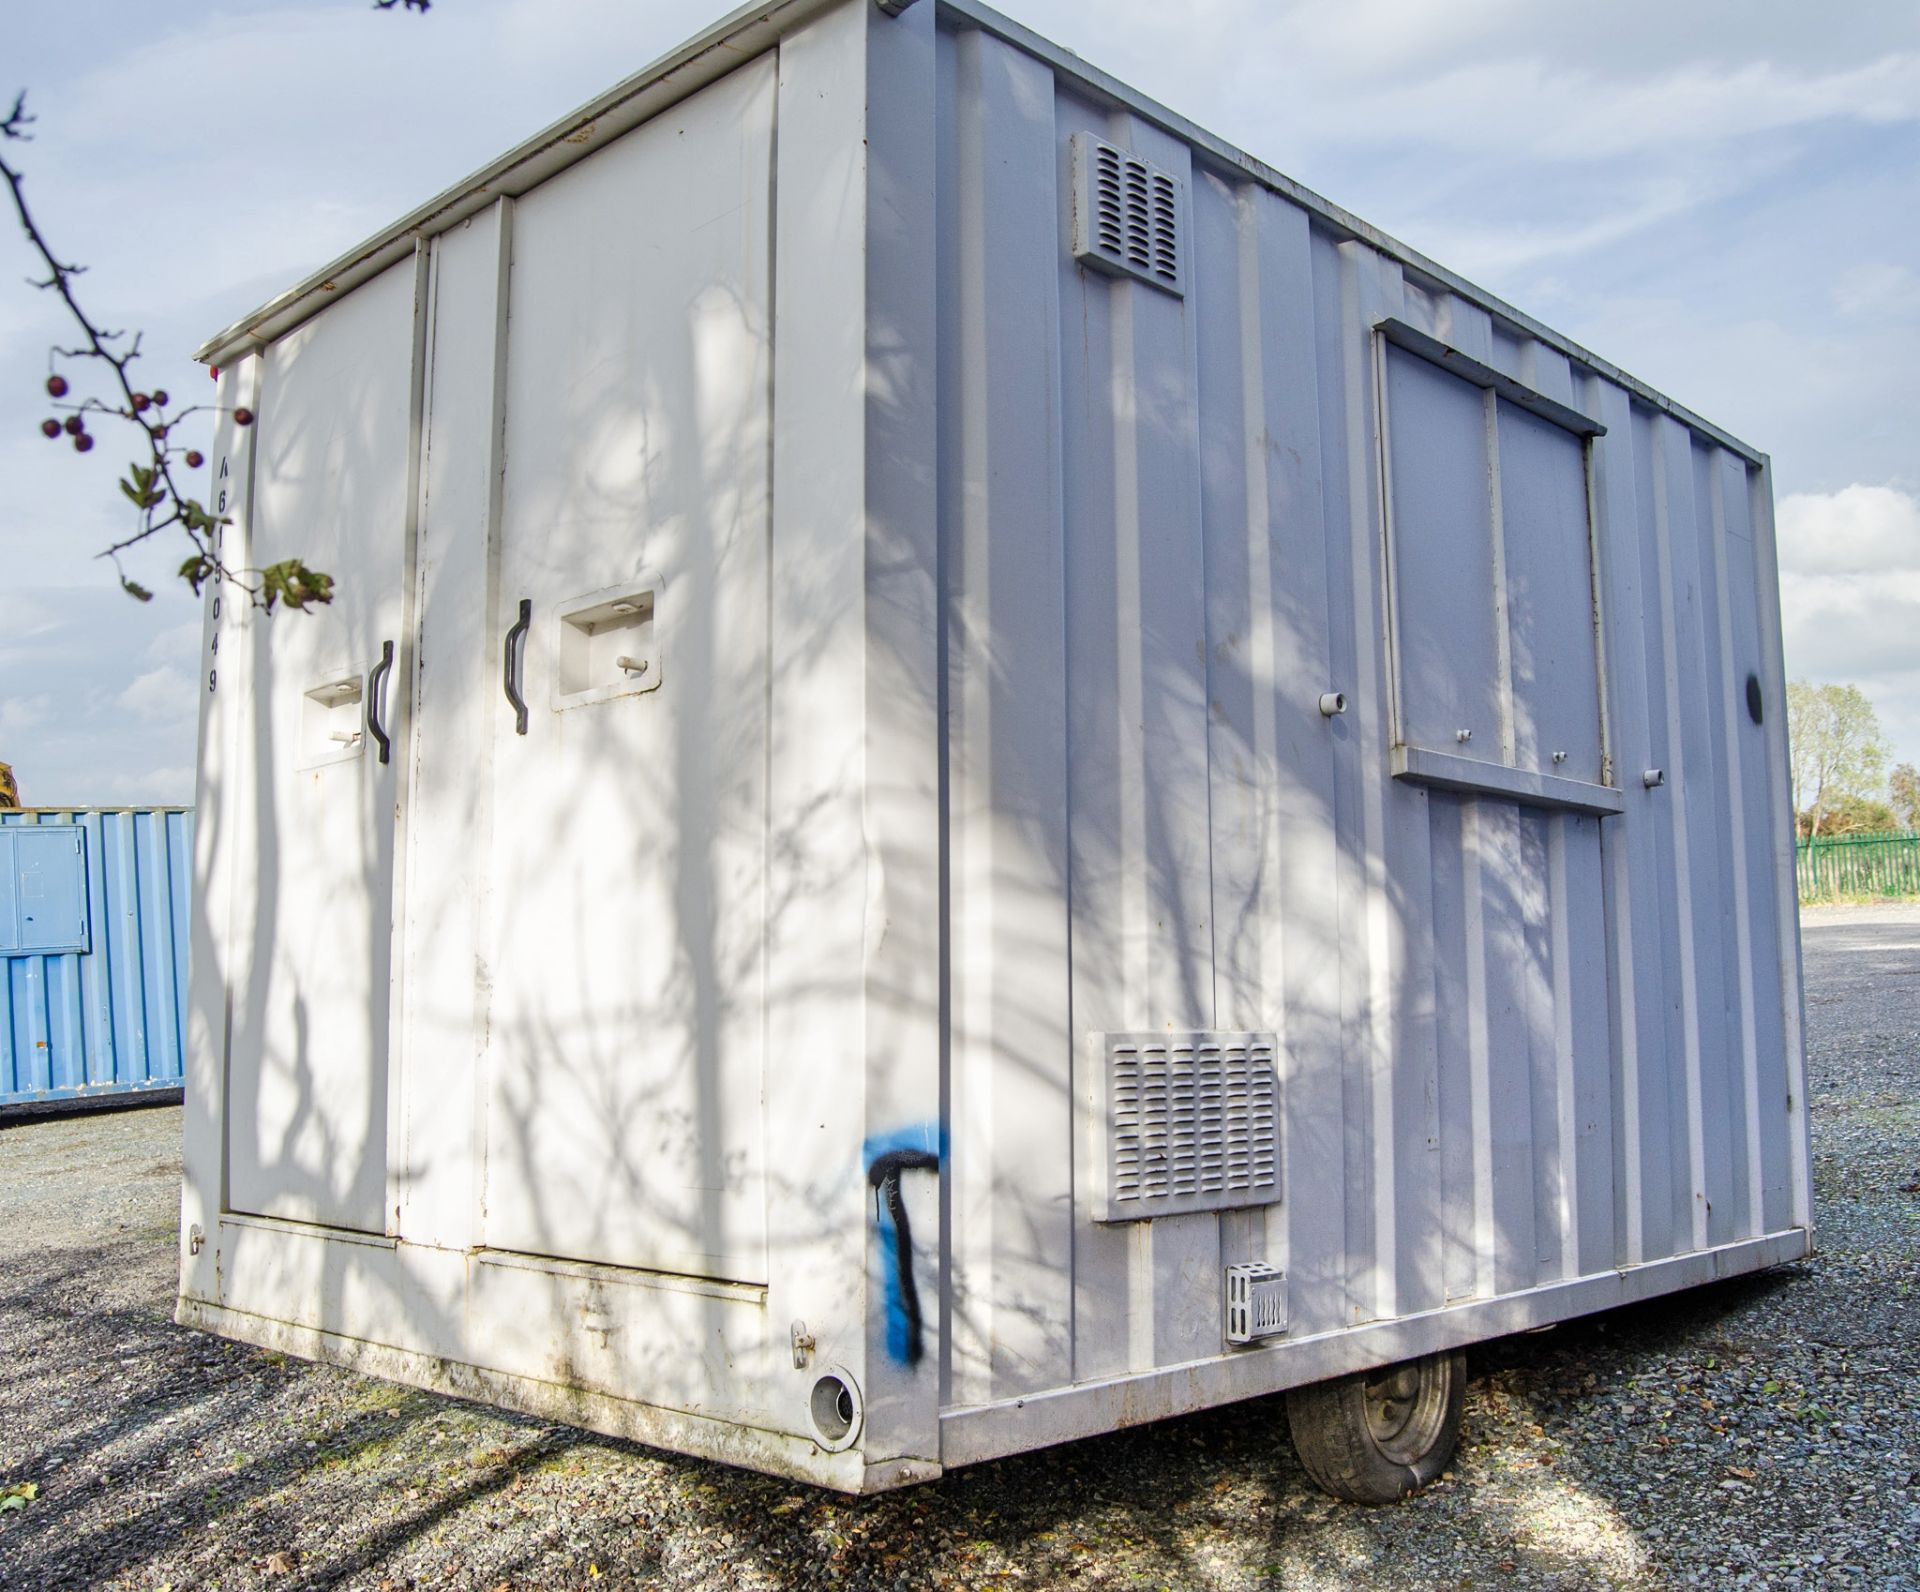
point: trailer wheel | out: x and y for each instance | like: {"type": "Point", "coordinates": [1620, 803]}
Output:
{"type": "Point", "coordinates": [1378, 1435]}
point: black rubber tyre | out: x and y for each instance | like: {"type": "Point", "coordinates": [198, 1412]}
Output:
{"type": "Point", "coordinates": [1377, 1436]}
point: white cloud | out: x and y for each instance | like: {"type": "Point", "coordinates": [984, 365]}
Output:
{"type": "Point", "coordinates": [162, 693]}
{"type": "Point", "coordinates": [1871, 531]}
{"type": "Point", "coordinates": [170, 786]}
{"type": "Point", "coordinates": [20, 714]}
{"type": "Point", "coordinates": [1512, 79]}
{"type": "Point", "coordinates": [1545, 111]}
{"type": "Point", "coordinates": [177, 643]}
{"type": "Point", "coordinates": [22, 618]}
{"type": "Point", "coordinates": [1877, 288]}
{"type": "Point", "coordinates": [1486, 249]}
{"type": "Point", "coordinates": [1850, 598]}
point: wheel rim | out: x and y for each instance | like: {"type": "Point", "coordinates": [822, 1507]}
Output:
{"type": "Point", "coordinates": [1407, 1409]}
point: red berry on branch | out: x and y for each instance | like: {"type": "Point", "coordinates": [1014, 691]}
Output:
{"type": "Point", "coordinates": [75, 425]}
{"type": "Point", "coordinates": [160, 396]}
{"type": "Point", "coordinates": [50, 428]}
{"type": "Point", "coordinates": [243, 417]}
{"type": "Point", "coordinates": [57, 385]}
{"type": "Point", "coordinates": [82, 443]}
{"type": "Point", "coordinates": [141, 402]}
{"type": "Point", "coordinates": [195, 458]}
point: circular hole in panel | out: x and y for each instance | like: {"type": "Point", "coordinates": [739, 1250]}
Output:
{"type": "Point", "coordinates": [835, 1407]}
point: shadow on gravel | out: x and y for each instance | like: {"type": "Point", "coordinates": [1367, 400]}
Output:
{"type": "Point", "coordinates": [159, 1446]}
{"type": "Point", "coordinates": [1652, 1328]}
{"type": "Point", "coordinates": [1141, 1498]}
{"type": "Point", "coordinates": [195, 1460]}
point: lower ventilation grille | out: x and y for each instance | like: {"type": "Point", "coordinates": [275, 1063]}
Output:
{"type": "Point", "coordinates": [1190, 1122]}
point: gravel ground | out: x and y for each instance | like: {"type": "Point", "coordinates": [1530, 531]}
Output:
{"type": "Point", "coordinates": [1764, 1432]}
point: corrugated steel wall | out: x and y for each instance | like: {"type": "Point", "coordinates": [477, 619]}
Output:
{"type": "Point", "coordinates": [113, 1018]}
{"type": "Point", "coordinates": [1520, 1044]}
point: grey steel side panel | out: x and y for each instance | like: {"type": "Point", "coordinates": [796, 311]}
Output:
{"type": "Point", "coordinates": [1533, 1027]}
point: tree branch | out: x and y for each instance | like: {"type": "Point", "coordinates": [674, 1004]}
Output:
{"type": "Point", "coordinates": [150, 486]}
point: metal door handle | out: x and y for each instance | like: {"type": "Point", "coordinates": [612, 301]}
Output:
{"type": "Point", "coordinates": [375, 682]}
{"type": "Point", "coordinates": [510, 666]}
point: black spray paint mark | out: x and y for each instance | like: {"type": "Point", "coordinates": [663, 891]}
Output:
{"type": "Point", "coordinates": [903, 1298]}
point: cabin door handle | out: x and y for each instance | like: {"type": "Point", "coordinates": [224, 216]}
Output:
{"type": "Point", "coordinates": [510, 665]}
{"type": "Point", "coordinates": [376, 684]}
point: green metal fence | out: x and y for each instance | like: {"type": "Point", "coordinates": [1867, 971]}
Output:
{"type": "Point", "coordinates": [1858, 865]}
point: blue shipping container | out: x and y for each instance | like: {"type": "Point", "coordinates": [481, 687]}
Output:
{"type": "Point", "coordinates": [93, 950]}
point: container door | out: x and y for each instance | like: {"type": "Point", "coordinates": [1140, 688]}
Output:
{"type": "Point", "coordinates": [317, 792]}
{"type": "Point", "coordinates": [630, 801]}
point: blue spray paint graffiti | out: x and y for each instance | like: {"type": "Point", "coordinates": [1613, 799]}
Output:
{"type": "Point", "coordinates": [889, 1157]}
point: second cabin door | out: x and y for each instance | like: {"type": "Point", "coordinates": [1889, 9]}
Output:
{"type": "Point", "coordinates": [320, 767]}
{"type": "Point", "coordinates": [625, 1015]}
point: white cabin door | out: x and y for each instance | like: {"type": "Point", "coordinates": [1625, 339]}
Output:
{"type": "Point", "coordinates": [316, 797]}
{"type": "Point", "coordinates": [625, 1029]}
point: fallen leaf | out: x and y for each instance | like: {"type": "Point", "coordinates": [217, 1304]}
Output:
{"type": "Point", "coordinates": [279, 1564]}
{"type": "Point", "coordinates": [1742, 1472]}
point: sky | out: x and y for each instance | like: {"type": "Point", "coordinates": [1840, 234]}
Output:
{"type": "Point", "coordinates": [1721, 196]}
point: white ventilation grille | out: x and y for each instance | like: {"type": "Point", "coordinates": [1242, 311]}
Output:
{"type": "Point", "coordinates": [1126, 215]}
{"type": "Point", "coordinates": [1191, 1123]}
{"type": "Point", "coordinates": [1256, 1303]}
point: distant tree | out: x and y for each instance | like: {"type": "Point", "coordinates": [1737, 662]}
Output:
{"type": "Point", "coordinates": [1904, 784]}
{"type": "Point", "coordinates": [1852, 815]}
{"type": "Point", "coordinates": [1838, 751]}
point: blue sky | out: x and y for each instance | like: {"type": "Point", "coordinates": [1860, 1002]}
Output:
{"type": "Point", "coordinates": [1723, 198]}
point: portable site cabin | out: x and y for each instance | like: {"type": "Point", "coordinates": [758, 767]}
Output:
{"type": "Point", "coordinates": [979, 773]}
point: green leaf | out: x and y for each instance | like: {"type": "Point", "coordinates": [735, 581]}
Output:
{"type": "Point", "coordinates": [19, 1495]}
{"type": "Point", "coordinates": [291, 582]}
{"type": "Point", "coordinates": [135, 590]}
{"type": "Point", "coordinates": [141, 491]}
{"type": "Point", "coordinates": [196, 570]}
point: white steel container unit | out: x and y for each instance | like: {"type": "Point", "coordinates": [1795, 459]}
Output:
{"type": "Point", "coordinates": [979, 773]}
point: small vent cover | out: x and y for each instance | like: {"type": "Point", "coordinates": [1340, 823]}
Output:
{"type": "Point", "coordinates": [1191, 1124]}
{"type": "Point", "coordinates": [1256, 1303]}
{"type": "Point", "coordinates": [1126, 215]}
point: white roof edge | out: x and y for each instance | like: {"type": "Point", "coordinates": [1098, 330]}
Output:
{"type": "Point", "coordinates": [755, 27]}
{"type": "Point", "coordinates": [1068, 64]}
{"type": "Point", "coordinates": [708, 55]}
